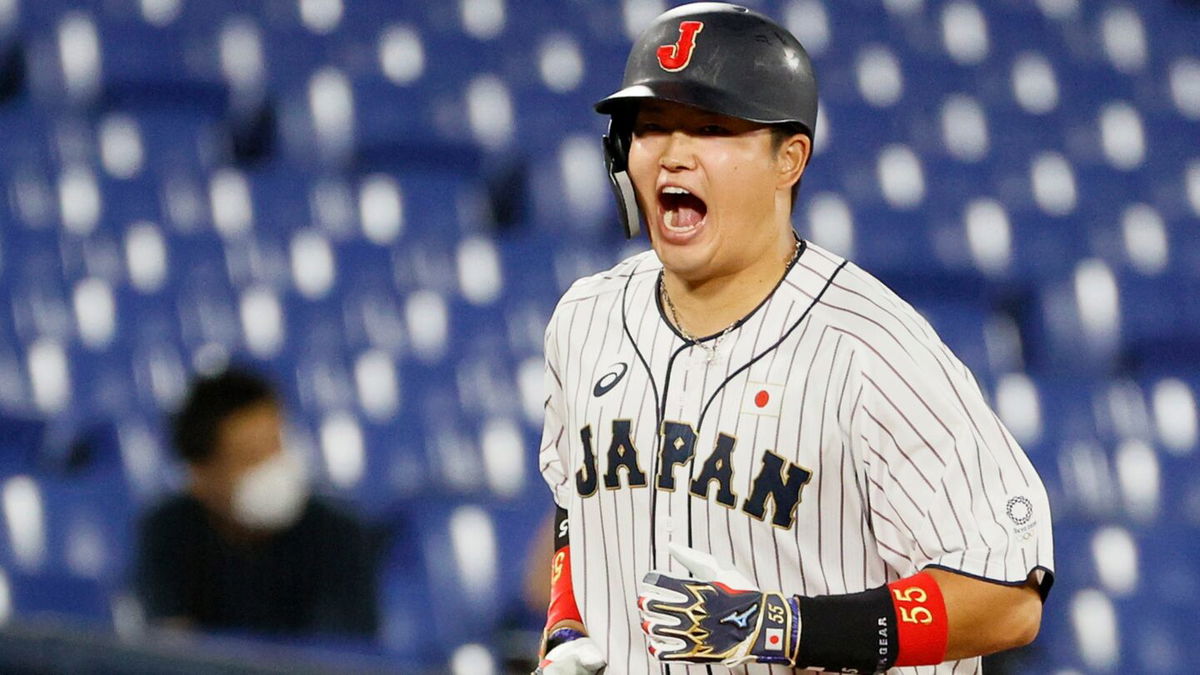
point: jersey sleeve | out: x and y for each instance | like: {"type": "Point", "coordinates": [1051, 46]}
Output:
{"type": "Point", "coordinates": [552, 456]}
{"type": "Point", "coordinates": [947, 484]}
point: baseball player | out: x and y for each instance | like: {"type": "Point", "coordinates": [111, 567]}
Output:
{"type": "Point", "coordinates": [764, 460]}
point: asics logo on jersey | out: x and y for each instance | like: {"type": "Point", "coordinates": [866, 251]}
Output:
{"type": "Point", "coordinates": [741, 620]}
{"type": "Point", "coordinates": [610, 380]}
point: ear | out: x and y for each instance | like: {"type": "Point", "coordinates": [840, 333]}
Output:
{"type": "Point", "coordinates": [792, 158]}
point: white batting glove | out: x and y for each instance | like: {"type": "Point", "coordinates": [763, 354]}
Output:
{"type": "Point", "coordinates": [705, 567]}
{"type": "Point", "coordinates": [717, 616]}
{"type": "Point", "coordinates": [580, 656]}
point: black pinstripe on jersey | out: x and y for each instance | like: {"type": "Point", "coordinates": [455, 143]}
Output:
{"type": "Point", "coordinates": [906, 466]}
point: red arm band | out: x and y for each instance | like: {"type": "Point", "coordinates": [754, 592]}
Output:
{"type": "Point", "coordinates": [562, 592]}
{"type": "Point", "coordinates": [922, 626]}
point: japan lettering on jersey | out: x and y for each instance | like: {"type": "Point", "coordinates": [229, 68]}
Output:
{"type": "Point", "coordinates": [828, 444]}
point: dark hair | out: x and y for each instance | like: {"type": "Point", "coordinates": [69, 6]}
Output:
{"type": "Point", "coordinates": [209, 402]}
{"type": "Point", "coordinates": [779, 134]}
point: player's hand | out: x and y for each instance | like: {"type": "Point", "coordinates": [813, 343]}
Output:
{"type": "Point", "coordinates": [580, 656]}
{"type": "Point", "coordinates": [720, 615]}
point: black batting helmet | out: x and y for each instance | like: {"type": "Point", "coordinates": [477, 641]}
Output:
{"type": "Point", "coordinates": [717, 57]}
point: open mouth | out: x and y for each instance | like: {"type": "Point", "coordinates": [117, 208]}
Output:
{"type": "Point", "coordinates": [682, 211]}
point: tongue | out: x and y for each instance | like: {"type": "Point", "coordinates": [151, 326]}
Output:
{"type": "Point", "coordinates": [687, 217]}
{"type": "Point", "coordinates": [688, 211]}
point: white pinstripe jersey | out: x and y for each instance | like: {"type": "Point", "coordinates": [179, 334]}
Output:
{"type": "Point", "coordinates": [830, 444]}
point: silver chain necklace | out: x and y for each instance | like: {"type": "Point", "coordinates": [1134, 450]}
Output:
{"type": "Point", "coordinates": [710, 349]}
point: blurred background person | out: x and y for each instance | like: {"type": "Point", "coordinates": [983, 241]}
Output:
{"type": "Point", "coordinates": [246, 547]}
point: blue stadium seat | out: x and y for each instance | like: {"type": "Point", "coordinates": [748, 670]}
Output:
{"type": "Point", "coordinates": [527, 257]}
{"type": "Point", "coordinates": [128, 202]}
{"type": "Point", "coordinates": [1074, 323]}
{"type": "Point", "coordinates": [1159, 632]}
{"type": "Point", "coordinates": [175, 137]}
{"type": "Point", "coordinates": [169, 66]}
{"type": "Point", "coordinates": [459, 547]}
{"type": "Point", "coordinates": [123, 62]}
{"type": "Point", "coordinates": [1180, 489]}
{"type": "Point", "coordinates": [363, 18]}
{"type": "Point", "coordinates": [73, 532]}
{"type": "Point", "coordinates": [25, 132]}
{"type": "Point", "coordinates": [89, 526]}
{"type": "Point", "coordinates": [962, 325]}
{"type": "Point", "coordinates": [422, 124]}
{"type": "Point", "coordinates": [396, 464]}
{"type": "Point", "coordinates": [192, 16]}
{"type": "Point", "coordinates": [1158, 638]}
{"type": "Point", "coordinates": [22, 440]}
{"type": "Point", "coordinates": [408, 607]}
{"type": "Point", "coordinates": [519, 524]}
{"type": "Point", "coordinates": [60, 598]}
{"type": "Point", "coordinates": [444, 204]}
{"type": "Point", "coordinates": [292, 54]}
{"type": "Point", "coordinates": [205, 299]}
{"type": "Point", "coordinates": [1069, 407]}
{"type": "Point", "coordinates": [1155, 338]}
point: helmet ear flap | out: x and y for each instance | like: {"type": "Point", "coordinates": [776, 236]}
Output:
{"type": "Point", "coordinates": [616, 161]}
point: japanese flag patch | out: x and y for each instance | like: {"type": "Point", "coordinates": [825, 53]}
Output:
{"type": "Point", "coordinates": [761, 398]}
{"type": "Point", "coordinates": [774, 641]}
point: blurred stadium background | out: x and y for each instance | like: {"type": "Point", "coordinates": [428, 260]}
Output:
{"type": "Point", "coordinates": [378, 202]}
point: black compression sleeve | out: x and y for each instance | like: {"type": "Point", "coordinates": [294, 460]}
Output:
{"type": "Point", "coordinates": [560, 528]}
{"type": "Point", "coordinates": [855, 632]}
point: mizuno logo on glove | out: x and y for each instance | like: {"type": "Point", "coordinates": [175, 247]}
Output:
{"type": "Point", "coordinates": [740, 619]}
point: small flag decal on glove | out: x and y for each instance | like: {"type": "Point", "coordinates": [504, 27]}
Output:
{"type": "Point", "coordinates": [774, 639]}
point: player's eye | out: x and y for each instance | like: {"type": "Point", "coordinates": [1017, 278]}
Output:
{"type": "Point", "coordinates": [714, 130]}
{"type": "Point", "coordinates": [643, 128]}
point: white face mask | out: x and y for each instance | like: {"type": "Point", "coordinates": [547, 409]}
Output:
{"type": "Point", "coordinates": [272, 494]}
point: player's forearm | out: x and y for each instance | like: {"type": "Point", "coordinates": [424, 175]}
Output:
{"type": "Point", "coordinates": [986, 617]}
{"type": "Point", "coordinates": [567, 623]}
{"type": "Point", "coordinates": [947, 617]}
{"type": "Point", "coordinates": [566, 648]}
{"type": "Point", "coordinates": [929, 618]}
{"type": "Point", "coordinates": [563, 612]}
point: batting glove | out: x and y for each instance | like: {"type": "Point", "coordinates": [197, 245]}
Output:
{"type": "Point", "coordinates": [580, 656]}
{"type": "Point", "coordinates": [720, 615]}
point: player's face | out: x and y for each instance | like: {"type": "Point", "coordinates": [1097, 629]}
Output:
{"type": "Point", "coordinates": [708, 186]}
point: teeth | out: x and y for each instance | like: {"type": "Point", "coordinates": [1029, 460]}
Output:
{"type": "Point", "coordinates": [672, 190]}
{"type": "Point", "coordinates": [669, 219]}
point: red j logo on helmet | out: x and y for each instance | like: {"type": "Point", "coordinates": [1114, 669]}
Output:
{"type": "Point", "coordinates": [676, 57]}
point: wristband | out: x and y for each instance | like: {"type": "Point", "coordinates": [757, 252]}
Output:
{"type": "Point", "coordinates": [560, 636]}
{"type": "Point", "coordinates": [921, 622]}
{"type": "Point", "coordinates": [562, 592]}
{"type": "Point", "coordinates": [855, 632]}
